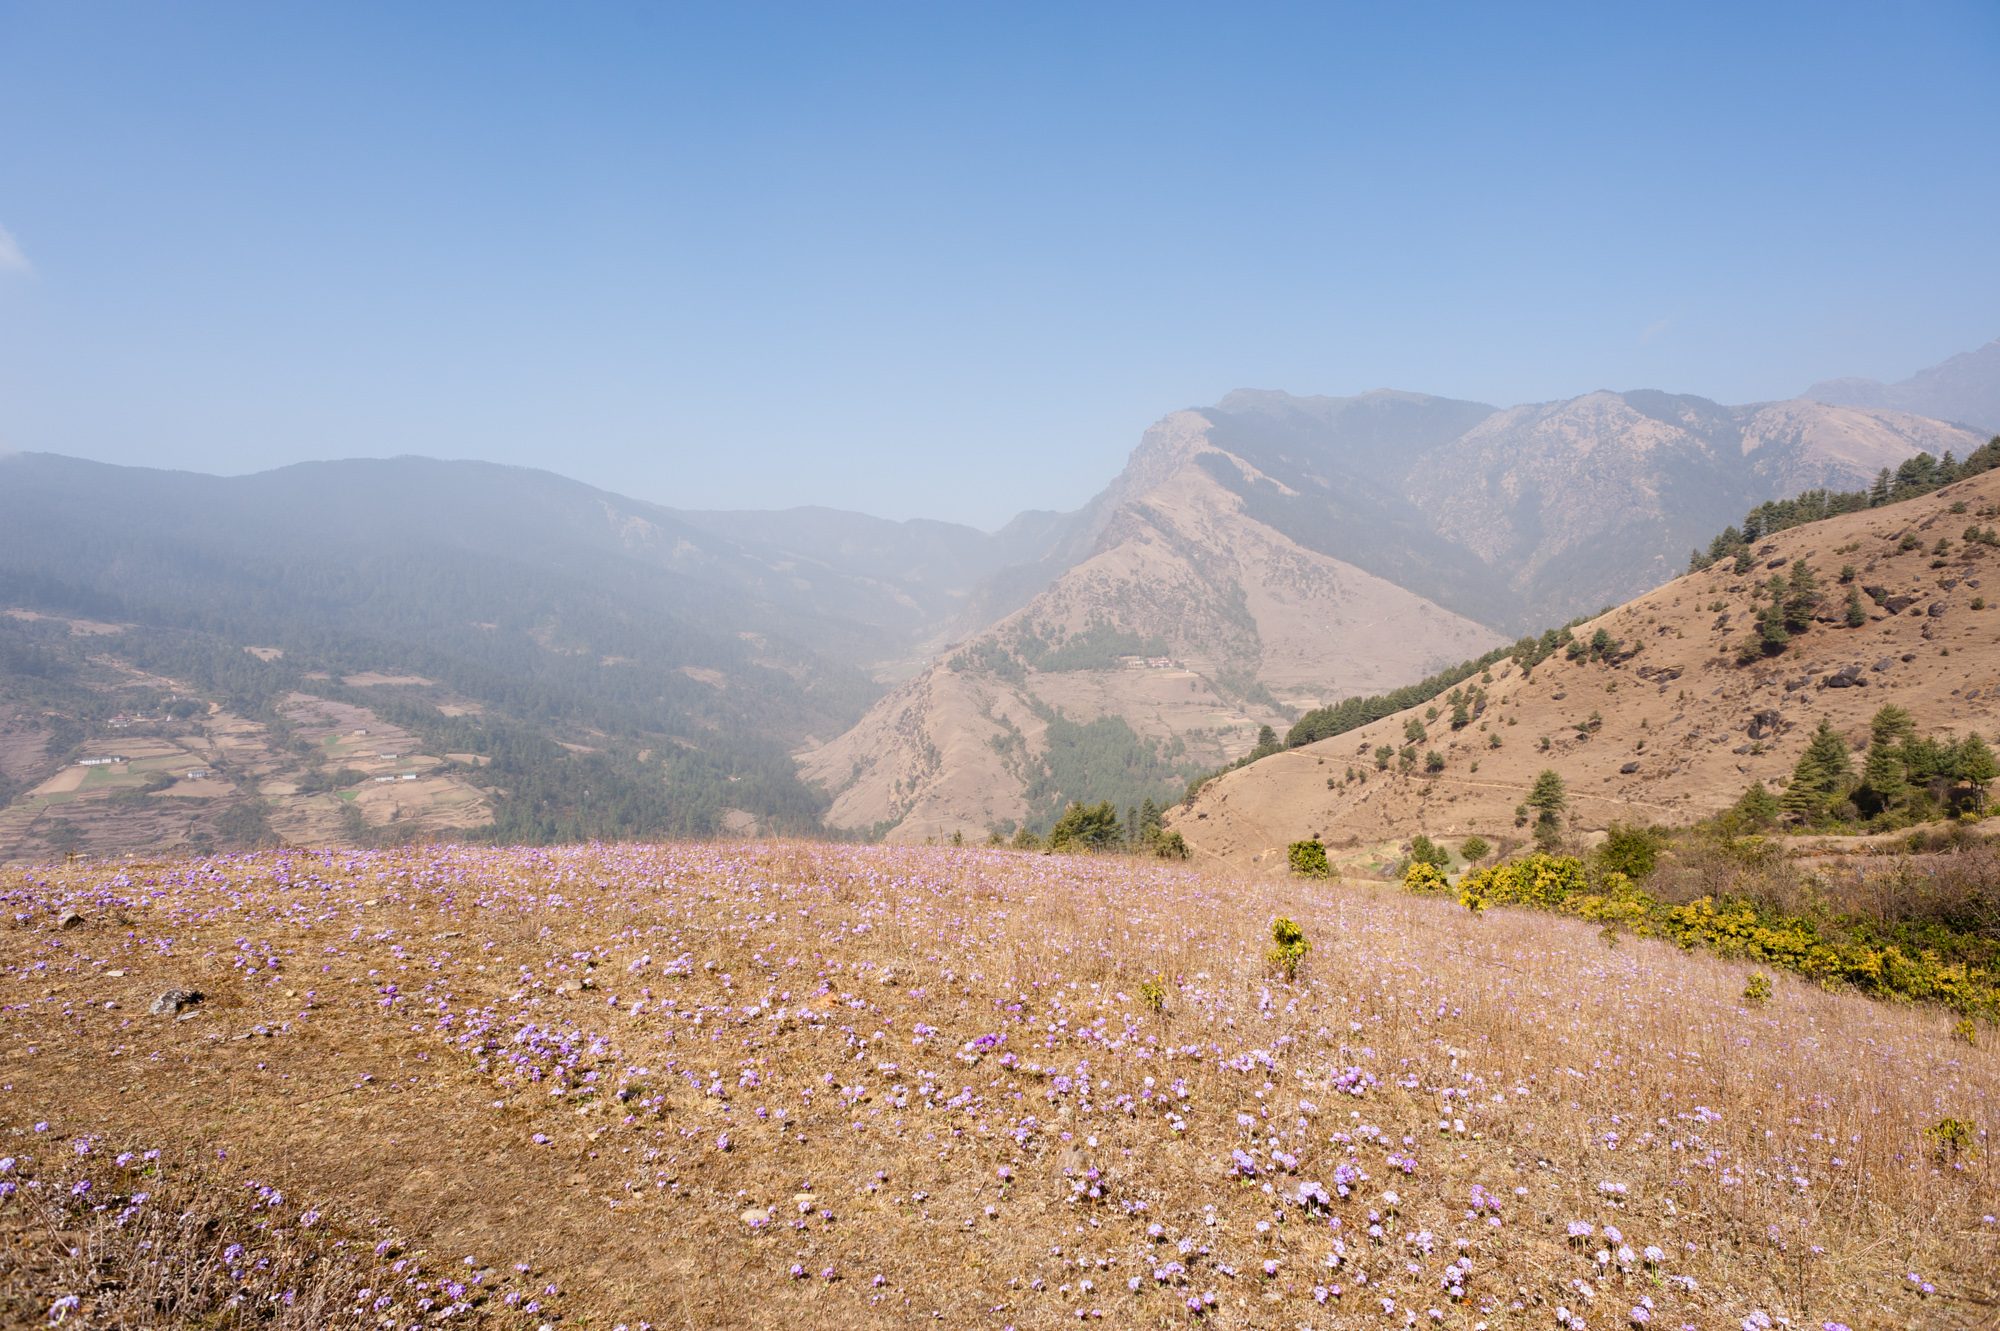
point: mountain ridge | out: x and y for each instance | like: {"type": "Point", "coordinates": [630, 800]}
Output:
{"type": "Point", "coordinates": [1963, 388]}
{"type": "Point", "coordinates": [917, 678]}
{"type": "Point", "coordinates": [1485, 520]}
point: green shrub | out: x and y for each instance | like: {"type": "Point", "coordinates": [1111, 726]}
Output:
{"type": "Point", "coordinates": [1758, 991]}
{"type": "Point", "coordinates": [1423, 850]}
{"type": "Point", "coordinates": [1951, 1138]}
{"type": "Point", "coordinates": [1308, 859]}
{"type": "Point", "coordinates": [1632, 851]}
{"type": "Point", "coordinates": [1086, 827]}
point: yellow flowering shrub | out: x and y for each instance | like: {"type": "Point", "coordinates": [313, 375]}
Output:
{"type": "Point", "coordinates": [1425, 878]}
{"type": "Point", "coordinates": [1726, 927]}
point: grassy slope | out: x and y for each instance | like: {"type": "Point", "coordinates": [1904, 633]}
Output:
{"type": "Point", "coordinates": [434, 1041]}
{"type": "Point", "coordinates": [1679, 711]}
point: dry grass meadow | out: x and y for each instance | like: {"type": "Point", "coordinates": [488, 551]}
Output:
{"type": "Point", "coordinates": [796, 1085]}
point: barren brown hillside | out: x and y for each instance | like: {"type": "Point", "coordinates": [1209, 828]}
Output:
{"type": "Point", "coordinates": [1673, 728]}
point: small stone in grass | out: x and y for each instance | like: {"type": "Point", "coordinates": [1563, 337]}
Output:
{"type": "Point", "coordinates": [175, 1001]}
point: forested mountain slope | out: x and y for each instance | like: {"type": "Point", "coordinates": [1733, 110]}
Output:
{"type": "Point", "coordinates": [534, 611]}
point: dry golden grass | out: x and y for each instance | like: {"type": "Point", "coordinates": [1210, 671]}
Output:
{"type": "Point", "coordinates": [786, 1084]}
{"type": "Point", "coordinates": [1676, 737]}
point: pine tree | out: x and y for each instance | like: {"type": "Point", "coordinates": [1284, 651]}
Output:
{"type": "Point", "coordinates": [1758, 806]}
{"type": "Point", "coordinates": [1891, 725]}
{"type": "Point", "coordinates": [1549, 798]}
{"type": "Point", "coordinates": [1548, 795]}
{"type": "Point", "coordinates": [1973, 768]}
{"type": "Point", "coordinates": [1884, 780]}
{"type": "Point", "coordinates": [1149, 819]}
{"type": "Point", "coordinates": [1800, 597]}
{"type": "Point", "coordinates": [1823, 775]}
{"type": "Point", "coordinates": [1928, 761]}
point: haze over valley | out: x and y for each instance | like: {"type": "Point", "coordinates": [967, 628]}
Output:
{"type": "Point", "coordinates": [808, 670]}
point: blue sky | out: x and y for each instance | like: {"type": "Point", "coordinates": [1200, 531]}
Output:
{"type": "Point", "coordinates": [951, 259]}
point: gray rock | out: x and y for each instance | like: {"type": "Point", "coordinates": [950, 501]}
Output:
{"type": "Point", "coordinates": [1937, 610]}
{"type": "Point", "coordinates": [1846, 677]}
{"type": "Point", "coordinates": [70, 919]}
{"type": "Point", "coordinates": [1765, 724]}
{"type": "Point", "coordinates": [1628, 769]}
{"type": "Point", "coordinates": [1883, 664]}
{"type": "Point", "coordinates": [175, 1001]}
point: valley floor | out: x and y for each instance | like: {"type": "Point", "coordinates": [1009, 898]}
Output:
{"type": "Point", "coordinates": [789, 1084]}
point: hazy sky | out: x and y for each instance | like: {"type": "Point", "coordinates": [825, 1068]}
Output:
{"type": "Point", "coordinates": [950, 259]}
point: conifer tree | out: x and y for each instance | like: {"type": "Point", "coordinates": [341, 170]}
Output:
{"type": "Point", "coordinates": [1973, 768]}
{"type": "Point", "coordinates": [1549, 798]}
{"type": "Point", "coordinates": [1823, 775]}
{"type": "Point", "coordinates": [1884, 780]}
{"type": "Point", "coordinates": [1891, 725]}
{"type": "Point", "coordinates": [1758, 806]}
{"type": "Point", "coordinates": [1800, 597]}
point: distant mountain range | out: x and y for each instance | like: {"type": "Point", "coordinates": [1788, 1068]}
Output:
{"type": "Point", "coordinates": [1280, 551]}
{"type": "Point", "coordinates": [1964, 389]}
{"type": "Point", "coordinates": [605, 666]}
